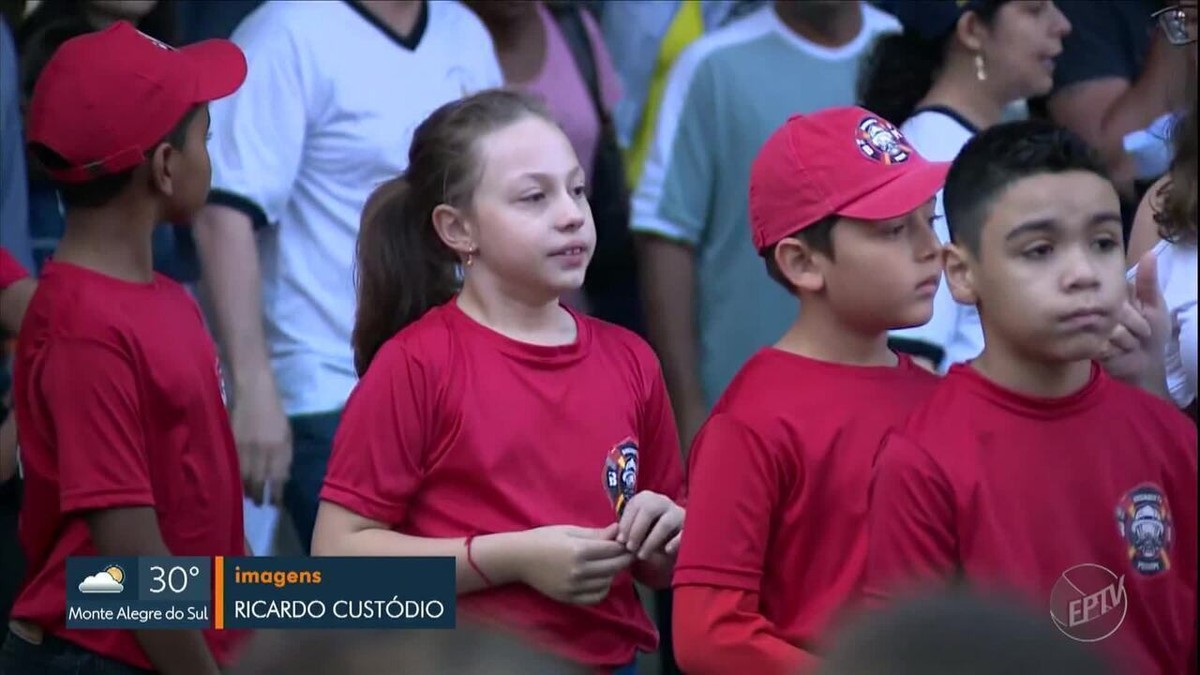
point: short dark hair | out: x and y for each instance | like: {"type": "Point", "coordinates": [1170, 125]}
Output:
{"type": "Point", "coordinates": [102, 190]}
{"type": "Point", "coordinates": [1000, 156]}
{"type": "Point", "coordinates": [818, 237]}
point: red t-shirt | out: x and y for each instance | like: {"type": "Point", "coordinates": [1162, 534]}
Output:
{"type": "Point", "coordinates": [777, 498]}
{"type": "Point", "coordinates": [456, 430]}
{"type": "Point", "coordinates": [11, 271]}
{"type": "Point", "coordinates": [1012, 491]}
{"type": "Point", "coordinates": [118, 404]}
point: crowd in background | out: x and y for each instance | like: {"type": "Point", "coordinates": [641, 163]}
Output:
{"type": "Point", "coordinates": [666, 105]}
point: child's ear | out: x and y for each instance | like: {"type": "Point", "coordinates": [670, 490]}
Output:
{"type": "Point", "coordinates": [800, 265]}
{"type": "Point", "coordinates": [162, 174]}
{"type": "Point", "coordinates": [454, 229]}
{"type": "Point", "coordinates": [960, 275]}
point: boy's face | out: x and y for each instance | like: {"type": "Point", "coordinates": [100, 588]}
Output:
{"type": "Point", "coordinates": [884, 273]}
{"type": "Point", "coordinates": [1049, 275]}
{"type": "Point", "coordinates": [191, 171]}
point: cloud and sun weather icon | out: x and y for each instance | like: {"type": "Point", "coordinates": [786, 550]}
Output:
{"type": "Point", "coordinates": [108, 580]}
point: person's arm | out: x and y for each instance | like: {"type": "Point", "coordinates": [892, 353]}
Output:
{"type": "Point", "coordinates": [1098, 99]}
{"type": "Point", "coordinates": [569, 564]}
{"type": "Point", "coordinates": [720, 630]}
{"type": "Point", "coordinates": [16, 288]}
{"type": "Point", "coordinates": [737, 484]}
{"type": "Point", "coordinates": [232, 279]}
{"type": "Point", "coordinates": [910, 523]}
{"type": "Point", "coordinates": [669, 293]}
{"type": "Point", "coordinates": [92, 393]}
{"type": "Point", "coordinates": [258, 139]}
{"type": "Point", "coordinates": [134, 532]}
{"type": "Point", "coordinates": [670, 212]}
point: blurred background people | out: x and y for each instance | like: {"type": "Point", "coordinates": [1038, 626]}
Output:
{"type": "Point", "coordinates": [1166, 223]}
{"type": "Point", "coordinates": [956, 633]}
{"type": "Point", "coordinates": [1117, 74]}
{"type": "Point", "coordinates": [333, 94]}
{"type": "Point", "coordinates": [467, 650]}
{"type": "Point", "coordinates": [645, 39]}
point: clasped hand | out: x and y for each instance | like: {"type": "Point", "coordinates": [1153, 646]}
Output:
{"type": "Point", "coordinates": [577, 565]}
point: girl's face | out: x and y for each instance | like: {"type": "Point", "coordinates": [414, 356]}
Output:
{"type": "Point", "coordinates": [529, 217]}
{"type": "Point", "coordinates": [1020, 47]}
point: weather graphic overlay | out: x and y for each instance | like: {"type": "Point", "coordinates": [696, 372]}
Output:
{"type": "Point", "coordinates": [139, 593]}
{"type": "Point", "coordinates": [107, 580]}
{"type": "Point", "coordinates": [219, 593]}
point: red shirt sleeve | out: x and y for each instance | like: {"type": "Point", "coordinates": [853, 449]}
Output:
{"type": "Point", "coordinates": [91, 392]}
{"type": "Point", "coordinates": [719, 631]}
{"type": "Point", "coordinates": [661, 458]}
{"type": "Point", "coordinates": [911, 538]}
{"type": "Point", "coordinates": [11, 271]}
{"type": "Point", "coordinates": [734, 488]}
{"type": "Point", "coordinates": [377, 461]}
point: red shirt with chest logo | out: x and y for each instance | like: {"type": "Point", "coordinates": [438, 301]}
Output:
{"type": "Point", "coordinates": [456, 430]}
{"type": "Point", "coordinates": [1011, 492]}
{"type": "Point", "coordinates": [119, 404]}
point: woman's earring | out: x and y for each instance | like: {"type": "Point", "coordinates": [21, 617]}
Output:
{"type": "Point", "coordinates": [471, 256]}
{"type": "Point", "coordinates": [980, 71]}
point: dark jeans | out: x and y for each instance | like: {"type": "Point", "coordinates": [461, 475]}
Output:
{"type": "Point", "coordinates": [57, 657]}
{"type": "Point", "coordinates": [312, 439]}
{"type": "Point", "coordinates": [12, 559]}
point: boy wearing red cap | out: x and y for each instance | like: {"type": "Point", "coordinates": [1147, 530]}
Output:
{"type": "Point", "coordinates": [126, 448]}
{"type": "Point", "coordinates": [1029, 471]}
{"type": "Point", "coordinates": [841, 209]}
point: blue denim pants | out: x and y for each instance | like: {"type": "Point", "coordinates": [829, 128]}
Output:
{"type": "Point", "coordinates": [312, 440]}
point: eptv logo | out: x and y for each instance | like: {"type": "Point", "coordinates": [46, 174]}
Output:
{"type": "Point", "coordinates": [1088, 602]}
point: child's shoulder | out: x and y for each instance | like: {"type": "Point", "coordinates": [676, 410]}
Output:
{"type": "Point", "coordinates": [1147, 410]}
{"type": "Point", "coordinates": [75, 303]}
{"type": "Point", "coordinates": [620, 340]}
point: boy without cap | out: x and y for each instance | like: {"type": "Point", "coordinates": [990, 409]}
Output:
{"type": "Point", "coordinates": [840, 208]}
{"type": "Point", "coordinates": [125, 443]}
{"type": "Point", "coordinates": [1030, 471]}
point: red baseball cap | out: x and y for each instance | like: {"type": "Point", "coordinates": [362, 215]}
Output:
{"type": "Point", "coordinates": [844, 161]}
{"type": "Point", "coordinates": [105, 99]}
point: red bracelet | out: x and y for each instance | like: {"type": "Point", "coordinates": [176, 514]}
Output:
{"type": "Point", "coordinates": [471, 562]}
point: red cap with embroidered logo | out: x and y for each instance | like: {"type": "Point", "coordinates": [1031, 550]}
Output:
{"type": "Point", "coordinates": [840, 161]}
{"type": "Point", "coordinates": [105, 99]}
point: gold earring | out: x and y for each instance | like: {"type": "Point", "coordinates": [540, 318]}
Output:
{"type": "Point", "coordinates": [471, 256]}
{"type": "Point", "coordinates": [980, 71]}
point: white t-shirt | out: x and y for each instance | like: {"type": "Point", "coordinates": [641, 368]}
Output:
{"type": "Point", "coordinates": [1177, 281]}
{"type": "Point", "coordinates": [326, 114]}
{"type": "Point", "coordinates": [939, 134]}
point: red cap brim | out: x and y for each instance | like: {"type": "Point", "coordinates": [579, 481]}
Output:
{"type": "Point", "coordinates": [219, 67]}
{"type": "Point", "coordinates": [905, 194]}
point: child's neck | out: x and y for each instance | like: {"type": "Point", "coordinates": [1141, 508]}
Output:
{"type": "Point", "coordinates": [819, 334]}
{"type": "Point", "coordinates": [533, 321]}
{"type": "Point", "coordinates": [1018, 373]}
{"type": "Point", "coordinates": [113, 241]}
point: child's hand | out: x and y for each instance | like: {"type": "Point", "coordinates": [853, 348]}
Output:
{"type": "Point", "coordinates": [575, 565]}
{"type": "Point", "coordinates": [651, 523]}
{"type": "Point", "coordinates": [1135, 350]}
